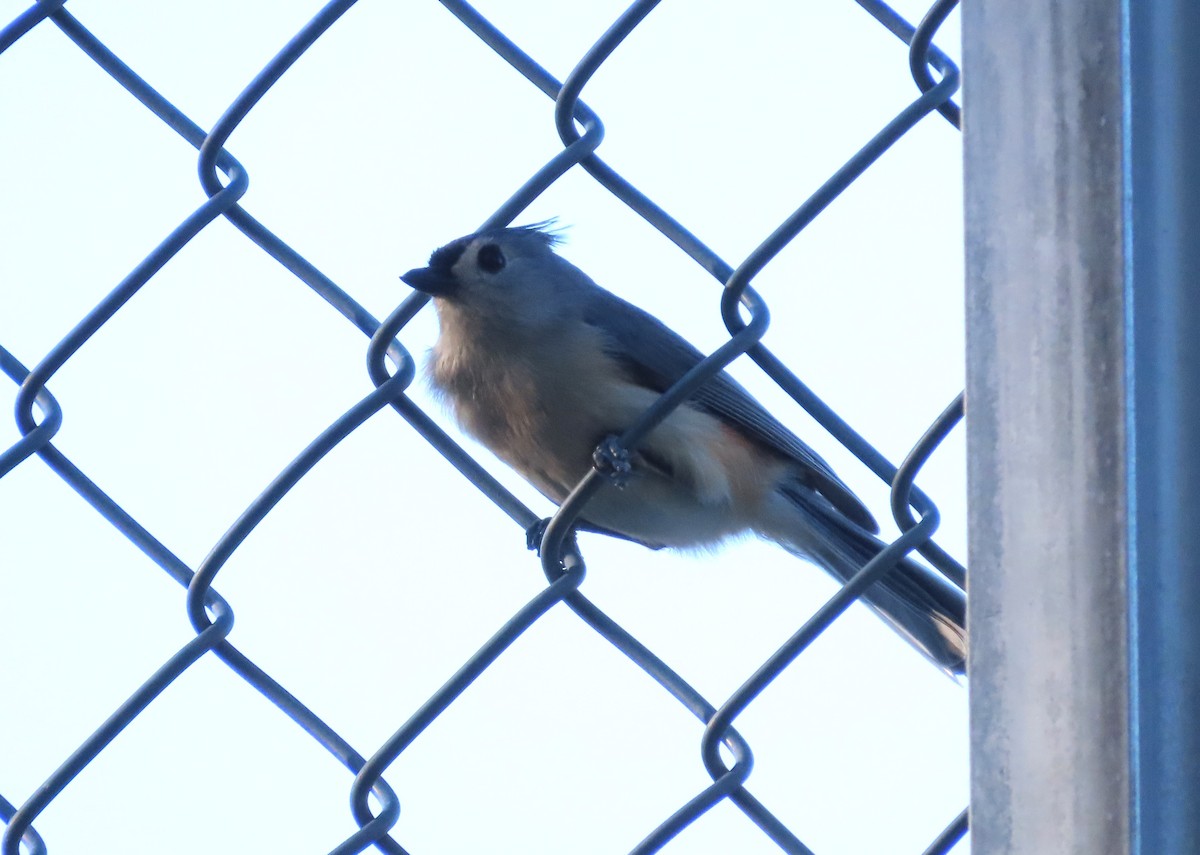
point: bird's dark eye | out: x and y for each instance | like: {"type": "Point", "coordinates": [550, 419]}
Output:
{"type": "Point", "coordinates": [491, 258]}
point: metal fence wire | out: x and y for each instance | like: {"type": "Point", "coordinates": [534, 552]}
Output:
{"type": "Point", "coordinates": [392, 369]}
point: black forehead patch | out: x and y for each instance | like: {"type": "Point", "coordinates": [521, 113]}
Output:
{"type": "Point", "coordinates": [445, 257]}
{"type": "Point", "coordinates": [542, 233]}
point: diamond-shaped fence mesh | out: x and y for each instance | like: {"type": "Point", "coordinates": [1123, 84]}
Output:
{"type": "Point", "coordinates": [177, 362]}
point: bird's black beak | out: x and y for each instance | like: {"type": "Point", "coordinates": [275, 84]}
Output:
{"type": "Point", "coordinates": [431, 281]}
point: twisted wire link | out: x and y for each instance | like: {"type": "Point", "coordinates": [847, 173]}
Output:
{"type": "Point", "coordinates": [391, 369]}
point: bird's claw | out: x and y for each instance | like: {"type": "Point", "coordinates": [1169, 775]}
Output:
{"type": "Point", "coordinates": [613, 460]}
{"type": "Point", "coordinates": [537, 531]}
{"type": "Point", "coordinates": [534, 535]}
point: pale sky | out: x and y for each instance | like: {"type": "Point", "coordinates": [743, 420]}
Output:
{"type": "Point", "coordinates": [384, 569]}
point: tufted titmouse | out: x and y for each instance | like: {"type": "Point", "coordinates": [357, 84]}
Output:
{"type": "Point", "coordinates": [540, 364]}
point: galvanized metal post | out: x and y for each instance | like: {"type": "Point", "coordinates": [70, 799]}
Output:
{"type": "Point", "coordinates": [1082, 136]}
{"type": "Point", "coordinates": [1164, 168]}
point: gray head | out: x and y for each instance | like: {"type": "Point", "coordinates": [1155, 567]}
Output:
{"type": "Point", "coordinates": [503, 274]}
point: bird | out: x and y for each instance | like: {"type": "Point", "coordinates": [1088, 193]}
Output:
{"type": "Point", "coordinates": [541, 365]}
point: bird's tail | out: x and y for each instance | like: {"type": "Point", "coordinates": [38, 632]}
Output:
{"type": "Point", "coordinates": [925, 608]}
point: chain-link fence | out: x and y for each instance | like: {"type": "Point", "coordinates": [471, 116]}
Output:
{"type": "Point", "coordinates": [726, 754]}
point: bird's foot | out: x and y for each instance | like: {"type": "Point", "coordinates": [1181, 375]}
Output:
{"type": "Point", "coordinates": [534, 535]}
{"type": "Point", "coordinates": [613, 460]}
{"type": "Point", "coordinates": [537, 531]}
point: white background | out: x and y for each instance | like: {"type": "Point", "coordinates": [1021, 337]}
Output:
{"type": "Point", "coordinates": [375, 579]}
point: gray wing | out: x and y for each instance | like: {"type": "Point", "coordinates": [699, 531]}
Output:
{"type": "Point", "coordinates": [656, 357]}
